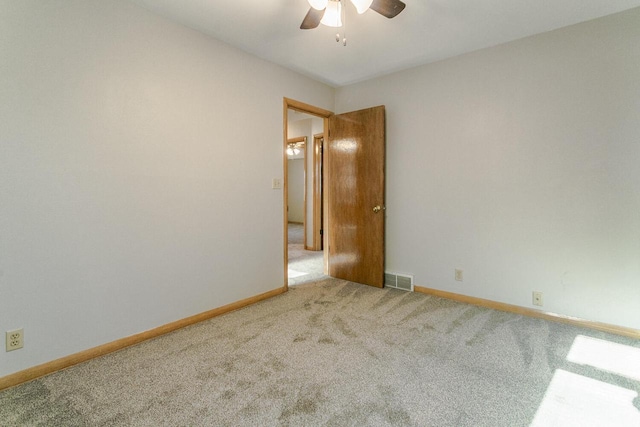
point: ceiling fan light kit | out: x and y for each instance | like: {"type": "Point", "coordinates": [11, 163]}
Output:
{"type": "Point", "coordinates": [331, 12]}
{"type": "Point", "coordinates": [362, 5]}
{"type": "Point", "coordinates": [332, 15]}
{"type": "Point", "coordinates": [318, 4]}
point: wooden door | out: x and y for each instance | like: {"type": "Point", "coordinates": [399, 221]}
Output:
{"type": "Point", "coordinates": [355, 196]}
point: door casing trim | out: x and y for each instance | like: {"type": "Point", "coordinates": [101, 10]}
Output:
{"type": "Point", "coordinates": [317, 161]}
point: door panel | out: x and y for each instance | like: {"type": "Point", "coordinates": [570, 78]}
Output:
{"type": "Point", "coordinates": [355, 168]}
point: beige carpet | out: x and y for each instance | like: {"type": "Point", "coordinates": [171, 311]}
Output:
{"type": "Point", "coordinates": [341, 354]}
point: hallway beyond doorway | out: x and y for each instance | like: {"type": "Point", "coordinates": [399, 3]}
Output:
{"type": "Point", "coordinates": [304, 266]}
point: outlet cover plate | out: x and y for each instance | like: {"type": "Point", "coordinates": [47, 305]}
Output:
{"type": "Point", "coordinates": [537, 298]}
{"type": "Point", "coordinates": [15, 339]}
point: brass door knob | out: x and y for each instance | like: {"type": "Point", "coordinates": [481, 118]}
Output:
{"type": "Point", "coordinates": [377, 209]}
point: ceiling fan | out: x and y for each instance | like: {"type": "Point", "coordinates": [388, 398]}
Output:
{"type": "Point", "coordinates": [329, 12]}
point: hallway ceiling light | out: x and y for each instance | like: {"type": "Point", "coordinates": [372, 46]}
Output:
{"type": "Point", "coordinates": [293, 149]}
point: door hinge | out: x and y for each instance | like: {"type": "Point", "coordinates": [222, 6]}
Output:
{"type": "Point", "coordinates": [321, 232]}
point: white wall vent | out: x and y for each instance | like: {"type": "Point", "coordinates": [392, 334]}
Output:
{"type": "Point", "coordinates": [398, 281]}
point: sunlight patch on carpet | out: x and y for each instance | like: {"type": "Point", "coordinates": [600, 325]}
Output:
{"type": "Point", "coordinates": [293, 274]}
{"type": "Point", "coordinates": [575, 400]}
{"type": "Point", "coordinates": [607, 356]}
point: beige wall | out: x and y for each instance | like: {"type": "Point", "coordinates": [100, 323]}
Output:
{"type": "Point", "coordinates": [130, 184]}
{"type": "Point", "coordinates": [519, 165]}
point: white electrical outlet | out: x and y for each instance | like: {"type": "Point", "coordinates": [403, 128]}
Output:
{"type": "Point", "coordinates": [15, 339]}
{"type": "Point", "coordinates": [537, 298]}
{"type": "Point", "coordinates": [276, 183]}
{"type": "Point", "coordinates": [458, 275]}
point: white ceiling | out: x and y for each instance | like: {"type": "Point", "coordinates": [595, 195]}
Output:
{"type": "Point", "coordinates": [426, 31]}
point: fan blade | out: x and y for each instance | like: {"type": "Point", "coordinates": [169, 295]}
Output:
{"type": "Point", "coordinates": [313, 18]}
{"type": "Point", "coordinates": [388, 8]}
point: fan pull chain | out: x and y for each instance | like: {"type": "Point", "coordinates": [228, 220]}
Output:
{"type": "Point", "coordinates": [344, 24]}
{"type": "Point", "coordinates": [343, 15]}
{"type": "Point", "coordinates": [337, 21]}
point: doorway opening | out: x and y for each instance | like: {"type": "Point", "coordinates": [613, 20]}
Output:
{"type": "Point", "coordinates": [353, 193]}
{"type": "Point", "coordinates": [305, 128]}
